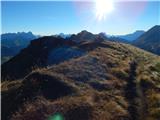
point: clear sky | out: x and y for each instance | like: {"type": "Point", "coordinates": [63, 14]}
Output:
{"type": "Point", "coordinates": [53, 17]}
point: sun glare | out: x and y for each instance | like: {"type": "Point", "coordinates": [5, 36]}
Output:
{"type": "Point", "coordinates": [103, 8]}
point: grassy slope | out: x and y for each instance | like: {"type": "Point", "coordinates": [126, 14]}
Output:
{"type": "Point", "coordinates": [99, 82]}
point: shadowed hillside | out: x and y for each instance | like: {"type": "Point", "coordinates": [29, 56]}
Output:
{"type": "Point", "coordinates": [150, 40]}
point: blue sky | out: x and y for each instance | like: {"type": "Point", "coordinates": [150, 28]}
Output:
{"type": "Point", "coordinates": [52, 17]}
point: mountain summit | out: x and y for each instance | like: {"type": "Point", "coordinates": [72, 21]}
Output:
{"type": "Point", "coordinates": [83, 36]}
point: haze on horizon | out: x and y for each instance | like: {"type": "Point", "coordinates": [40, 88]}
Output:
{"type": "Point", "coordinates": [53, 17]}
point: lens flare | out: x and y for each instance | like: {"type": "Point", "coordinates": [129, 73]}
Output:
{"type": "Point", "coordinates": [103, 8]}
{"type": "Point", "coordinates": [56, 116]}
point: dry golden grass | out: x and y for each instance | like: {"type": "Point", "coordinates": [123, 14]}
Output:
{"type": "Point", "coordinates": [109, 66]}
{"type": "Point", "coordinates": [74, 108]}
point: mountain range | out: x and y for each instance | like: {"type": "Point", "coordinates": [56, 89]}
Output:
{"type": "Point", "coordinates": [12, 43]}
{"type": "Point", "coordinates": [133, 36]}
{"type": "Point", "coordinates": [82, 77]}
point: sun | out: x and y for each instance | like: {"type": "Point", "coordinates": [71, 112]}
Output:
{"type": "Point", "coordinates": [103, 8]}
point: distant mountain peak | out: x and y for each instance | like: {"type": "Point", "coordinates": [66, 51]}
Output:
{"type": "Point", "coordinates": [139, 31]}
{"type": "Point", "coordinates": [155, 28]}
{"type": "Point", "coordinates": [150, 40]}
{"type": "Point", "coordinates": [132, 36]}
{"type": "Point", "coordinates": [63, 35]}
{"type": "Point", "coordinates": [29, 32]}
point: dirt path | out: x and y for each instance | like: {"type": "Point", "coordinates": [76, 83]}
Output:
{"type": "Point", "coordinates": [135, 96]}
